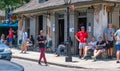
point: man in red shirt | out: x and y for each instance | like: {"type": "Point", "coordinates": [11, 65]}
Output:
{"type": "Point", "coordinates": [10, 36]}
{"type": "Point", "coordinates": [81, 36]}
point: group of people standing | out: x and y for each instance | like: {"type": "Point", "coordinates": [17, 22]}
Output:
{"type": "Point", "coordinates": [100, 45]}
{"type": "Point", "coordinates": [26, 41]}
{"type": "Point", "coordinates": [8, 39]}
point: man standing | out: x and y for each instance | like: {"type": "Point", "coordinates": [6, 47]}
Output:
{"type": "Point", "coordinates": [117, 38]}
{"type": "Point", "coordinates": [42, 43]}
{"type": "Point", "coordinates": [10, 37]}
{"type": "Point", "coordinates": [109, 33]}
{"type": "Point", "coordinates": [24, 42]}
{"type": "Point", "coordinates": [81, 36]}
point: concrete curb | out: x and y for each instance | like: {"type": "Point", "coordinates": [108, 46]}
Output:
{"type": "Point", "coordinates": [62, 65]}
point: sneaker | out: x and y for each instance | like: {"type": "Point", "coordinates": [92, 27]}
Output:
{"type": "Point", "coordinates": [25, 52]}
{"type": "Point", "coordinates": [83, 58]}
{"type": "Point", "coordinates": [80, 57]}
{"type": "Point", "coordinates": [110, 57]}
{"type": "Point", "coordinates": [58, 55]}
{"type": "Point", "coordinates": [39, 63]}
{"type": "Point", "coordinates": [46, 64]}
{"type": "Point", "coordinates": [117, 62]}
{"type": "Point", "coordinates": [94, 58]}
{"type": "Point", "coordinates": [21, 52]}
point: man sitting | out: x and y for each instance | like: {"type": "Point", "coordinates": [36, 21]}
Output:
{"type": "Point", "coordinates": [91, 46]}
{"type": "Point", "coordinates": [100, 48]}
{"type": "Point", "coordinates": [60, 48]}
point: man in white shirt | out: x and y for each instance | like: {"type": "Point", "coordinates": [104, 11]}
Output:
{"type": "Point", "coordinates": [24, 42]}
{"type": "Point", "coordinates": [91, 46]}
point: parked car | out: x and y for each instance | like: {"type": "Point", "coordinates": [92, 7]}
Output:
{"type": "Point", "coordinates": [5, 52]}
{"type": "Point", "coordinates": [10, 66]}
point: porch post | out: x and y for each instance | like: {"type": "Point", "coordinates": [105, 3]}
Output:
{"type": "Point", "coordinates": [73, 23]}
{"type": "Point", "coordinates": [54, 30]}
{"type": "Point", "coordinates": [90, 23]}
{"type": "Point", "coordinates": [33, 26]}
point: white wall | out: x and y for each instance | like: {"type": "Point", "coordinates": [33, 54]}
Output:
{"type": "Point", "coordinates": [100, 22]}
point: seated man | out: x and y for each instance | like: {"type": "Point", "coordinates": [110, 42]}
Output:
{"type": "Point", "coordinates": [60, 48]}
{"type": "Point", "coordinates": [2, 39]}
{"type": "Point", "coordinates": [91, 46]}
{"type": "Point", "coordinates": [100, 47]}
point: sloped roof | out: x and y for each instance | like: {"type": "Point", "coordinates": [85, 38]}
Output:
{"type": "Point", "coordinates": [34, 5]}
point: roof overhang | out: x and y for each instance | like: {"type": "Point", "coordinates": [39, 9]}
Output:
{"type": "Point", "coordinates": [63, 6]}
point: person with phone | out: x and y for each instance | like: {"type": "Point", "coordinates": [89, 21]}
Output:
{"type": "Point", "coordinates": [99, 48]}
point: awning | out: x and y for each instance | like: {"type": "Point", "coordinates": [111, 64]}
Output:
{"type": "Point", "coordinates": [5, 25]}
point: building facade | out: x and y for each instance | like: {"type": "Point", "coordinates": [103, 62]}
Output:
{"type": "Point", "coordinates": [50, 16]}
{"type": "Point", "coordinates": [2, 16]}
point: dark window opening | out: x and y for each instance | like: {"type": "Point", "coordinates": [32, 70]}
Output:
{"type": "Point", "coordinates": [40, 25]}
{"type": "Point", "coordinates": [61, 31]}
{"type": "Point", "coordinates": [82, 22]}
{"type": "Point", "coordinates": [27, 26]}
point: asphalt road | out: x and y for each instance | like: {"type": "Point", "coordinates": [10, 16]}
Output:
{"type": "Point", "coordinates": [33, 66]}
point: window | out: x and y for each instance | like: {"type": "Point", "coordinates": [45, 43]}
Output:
{"type": "Point", "coordinates": [41, 1]}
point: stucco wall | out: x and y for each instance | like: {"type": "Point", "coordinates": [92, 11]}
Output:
{"type": "Point", "coordinates": [100, 22]}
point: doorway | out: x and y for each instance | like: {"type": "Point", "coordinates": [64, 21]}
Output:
{"type": "Point", "coordinates": [40, 24]}
{"type": "Point", "coordinates": [60, 31]}
{"type": "Point", "coordinates": [82, 22]}
{"type": "Point", "coordinates": [27, 26]}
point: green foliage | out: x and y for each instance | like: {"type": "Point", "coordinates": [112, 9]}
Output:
{"type": "Point", "coordinates": [12, 3]}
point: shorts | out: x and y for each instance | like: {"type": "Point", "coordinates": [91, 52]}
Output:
{"type": "Point", "coordinates": [20, 41]}
{"type": "Point", "coordinates": [91, 48]}
{"type": "Point", "coordinates": [10, 39]}
{"type": "Point", "coordinates": [82, 45]}
{"type": "Point", "coordinates": [24, 44]}
{"type": "Point", "coordinates": [110, 44]}
{"type": "Point", "coordinates": [118, 47]}
{"type": "Point", "coordinates": [103, 50]}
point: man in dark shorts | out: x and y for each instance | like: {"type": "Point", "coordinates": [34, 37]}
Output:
{"type": "Point", "coordinates": [109, 34]}
{"type": "Point", "coordinates": [99, 48]}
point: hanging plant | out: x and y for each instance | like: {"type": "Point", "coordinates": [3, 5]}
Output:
{"type": "Point", "coordinates": [108, 9]}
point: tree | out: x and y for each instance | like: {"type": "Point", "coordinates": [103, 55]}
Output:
{"type": "Point", "coordinates": [13, 3]}
{"type": "Point", "coordinates": [9, 5]}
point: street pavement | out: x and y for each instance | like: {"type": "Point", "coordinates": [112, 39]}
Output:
{"type": "Point", "coordinates": [34, 66]}
{"type": "Point", "coordinates": [60, 61]}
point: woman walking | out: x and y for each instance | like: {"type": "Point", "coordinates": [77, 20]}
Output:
{"type": "Point", "coordinates": [42, 43]}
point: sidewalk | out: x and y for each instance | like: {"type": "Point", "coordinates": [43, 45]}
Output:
{"type": "Point", "coordinates": [77, 63]}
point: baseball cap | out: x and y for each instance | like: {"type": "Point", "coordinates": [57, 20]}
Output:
{"type": "Point", "coordinates": [82, 27]}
